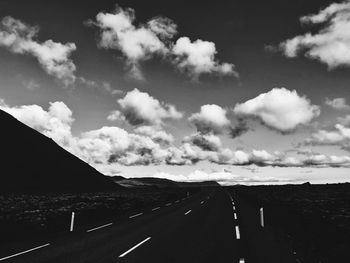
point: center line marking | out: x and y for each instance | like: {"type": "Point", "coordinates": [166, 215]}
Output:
{"type": "Point", "coordinates": [24, 252]}
{"type": "Point", "coordinates": [93, 229]}
{"type": "Point", "coordinates": [177, 201]}
{"type": "Point", "coordinates": [136, 215]}
{"type": "Point", "coordinates": [238, 235]}
{"type": "Point", "coordinates": [189, 211]}
{"type": "Point", "coordinates": [168, 204]}
{"type": "Point", "coordinates": [235, 216]}
{"type": "Point", "coordinates": [234, 208]}
{"type": "Point", "coordinates": [202, 202]}
{"type": "Point", "coordinates": [134, 247]}
{"type": "Point", "coordinates": [241, 260]}
{"type": "Point", "coordinates": [156, 208]}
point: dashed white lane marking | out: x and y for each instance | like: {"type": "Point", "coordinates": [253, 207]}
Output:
{"type": "Point", "coordinates": [189, 211]}
{"type": "Point", "coordinates": [202, 202]}
{"type": "Point", "coordinates": [234, 208]}
{"type": "Point", "coordinates": [241, 260]}
{"type": "Point", "coordinates": [99, 227]}
{"type": "Point", "coordinates": [235, 216]}
{"type": "Point", "coordinates": [24, 252]}
{"type": "Point", "coordinates": [177, 201]}
{"type": "Point", "coordinates": [238, 235]}
{"type": "Point", "coordinates": [136, 215]}
{"type": "Point", "coordinates": [183, 199]}
{"type": "Point", "coordinates": [156, 208]}
{"type": "Point", "coordinates": [134, 247]}
{"type": "Point", "coordinates": [168, 204]}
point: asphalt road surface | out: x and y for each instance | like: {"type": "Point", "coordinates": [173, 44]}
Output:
{"type": "Point", "coordinates": [205, 227]}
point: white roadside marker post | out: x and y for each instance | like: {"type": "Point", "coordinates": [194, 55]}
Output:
{"type": "Point", "coordinates": [262, 217]}
{"type": "Point", "coordinates": [72, 222]}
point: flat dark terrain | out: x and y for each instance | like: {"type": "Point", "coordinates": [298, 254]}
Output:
{"type": "Point", "coordinates": [303, 223]}
{"type": "Point", "coordinates": [311, 221]}
{"type": "Point", "coordinates": [28, 217]}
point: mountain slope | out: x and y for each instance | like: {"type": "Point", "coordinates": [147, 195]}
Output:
{"type": "Point", "coordinates": [31, 162]}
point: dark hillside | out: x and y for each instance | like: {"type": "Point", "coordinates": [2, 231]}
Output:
{"type": "Point", "coordinates": [31, 162]}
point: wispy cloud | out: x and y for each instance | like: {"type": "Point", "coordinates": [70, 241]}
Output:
{"type": "Point", "coordinates": [54, 57]}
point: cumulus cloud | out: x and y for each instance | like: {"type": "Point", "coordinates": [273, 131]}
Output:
{"type": "Point", "coordinates": [239, 129]}
{"type": "Point", "coordinates": [345, 121]}
{"type": "Point", "coordinates": [331, 43]}
{"type": "Point", "coordinates": [111, 145]}
{"type": "Point", "coordinates": [54, 123]}
{"type": "Point", "coordinates": [115, 115]}
{"type": "Point", "coordinates": [337, 103]}
{"type": "Point", "coordinates": [210, 118]}
{"type": "Point", "coordinates": [156, 133]}
{"type": "Point", "coordinates": [116, 145]}
{"type": "Point", "coordinates": [321, 160]}
{"type": "Point", "coordinates": [139, 108]}
{"type": "Point", "coordinates": [54, 57]}
{"type": "Point", "coordinates": [198, 57]}
{"type": "Point", "coordinates": [142, 42]}
{"type": "Point", "coordinates": [279, 109]}
{"type": "Point", "coordinates": [339, 136]}
{"type": "Point", "coordinates": [136, 42]}
{"type": "Point", "coordinates": [207, 142]}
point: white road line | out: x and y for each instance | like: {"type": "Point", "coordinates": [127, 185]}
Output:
{"type": "Point", "coordinates": [177, 201]}
{"type": "Point", "coordinates": [241, 260]}
{"type": "Point", "coordinates": [233, 203]}
{"type": "Point", "coordinates": [202, 202]}
{"type": "Point", "coordinates": [134, 247]}
{"type": "Point", "coordinates": [235, 216]}
{"type": "Point", "coordinates": [93, 229]}
{"type": "Point", "coordinates": [136, 215]}
{"type": "Point", "coordinates": [183, 199]}
{"type": "Point", "coordinates": [168, 204]}
{"type": "Point", "coordinates": [189, 211]}
{"type": "Point", "coordinates": [156, 208]}
{"type": "Point", "coordinates": [234, 208]}
{"type": "Point", "coordinates": [238, 235]}
{"type": "Point", "coordinates": [24, 252]}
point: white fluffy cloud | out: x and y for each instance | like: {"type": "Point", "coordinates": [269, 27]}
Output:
{"type": "Point", "coordinates": [344, 120]}
{"type": "Point", "coordinates": [157, 134]}
{"type": "Point", "coordinates": [115, 116]}
{"type": "Point", "coordinates": [54, 57]}
{"type": "Point", "coordinates": [331, 44]}
{"type": "Point", "coordinates": [110, 145]}
{"type": "Point", "coordinates": [198, 57]}
{"type": "Point", "coordinates": [207, 142]}
{"type": "Point", "coordinates": [280, 109]}
{"type": "Point", "coordinates": [339, 136]}
{"type": "Point", "coordinates": [115, 145]}
{"type": "Point", "coordinates": [54, 123]}
{"type": "Point", "coordinates": [337, 103]}
{"type": "Point", "coordinates": [137, 43]}
{"type": "Point", "coordinates": [141, 108]}
{"type": "Point", "coordinates": [210, 118]}
{"type": "Point", "coordinates": [155, 38]}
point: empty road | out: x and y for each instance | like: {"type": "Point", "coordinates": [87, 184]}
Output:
{"type": "Point", "coordinates": [201, 228]}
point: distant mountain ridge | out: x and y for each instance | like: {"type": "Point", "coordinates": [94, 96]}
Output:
{"type": "Point", "coordinates": [32, 162]}
{"type": "Point", "coordinates": [152, 182]}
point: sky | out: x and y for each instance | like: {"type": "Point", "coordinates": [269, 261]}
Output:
{"type": "Point", "coordinates": [249, 92]}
